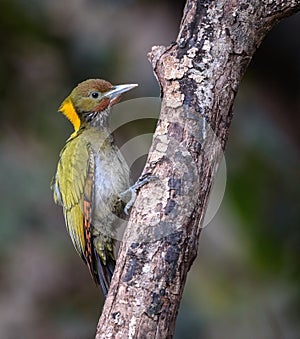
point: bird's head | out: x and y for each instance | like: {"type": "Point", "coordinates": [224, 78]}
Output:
{"type": "Point", "coordinates": [91, 99]}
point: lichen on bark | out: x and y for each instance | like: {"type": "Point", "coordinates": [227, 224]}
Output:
{"type": "Point", "coordinates": [199, 76]}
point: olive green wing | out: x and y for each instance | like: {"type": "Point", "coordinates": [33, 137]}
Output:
{"type": "Point", "coordinates": [71, 190]}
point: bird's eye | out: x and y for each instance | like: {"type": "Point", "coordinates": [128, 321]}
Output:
{"type": "Point", "coordinates": [94, 95]}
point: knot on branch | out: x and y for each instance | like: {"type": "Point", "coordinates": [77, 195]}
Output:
{"type": "Point", "coordinates": [155, 54]}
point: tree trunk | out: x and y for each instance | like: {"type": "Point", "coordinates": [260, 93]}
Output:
{"type": "Point", "coordinates": [199, 76]}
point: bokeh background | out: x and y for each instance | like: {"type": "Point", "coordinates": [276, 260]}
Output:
{"type": "Point", "coordinates": [245, 281]}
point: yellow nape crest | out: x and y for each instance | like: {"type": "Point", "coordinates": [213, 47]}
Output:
{"type": "Point", "coordinates": [67, 109]}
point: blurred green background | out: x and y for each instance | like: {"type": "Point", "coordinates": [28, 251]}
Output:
{"type": "Point", "coordinates": [245, 281]}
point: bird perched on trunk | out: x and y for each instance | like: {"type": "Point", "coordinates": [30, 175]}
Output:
{"type": "Point", "coordinates": [91, 176]}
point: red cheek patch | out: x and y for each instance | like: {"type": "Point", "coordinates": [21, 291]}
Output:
{"type": "Point", "coordinates": [104, 103]}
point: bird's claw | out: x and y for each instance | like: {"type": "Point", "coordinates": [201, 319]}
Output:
{"type": "Point", "coordinates": [143, 180]}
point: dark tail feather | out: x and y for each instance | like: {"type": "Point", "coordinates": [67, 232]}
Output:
{"type": "Point", "coordinates": [105, 272]}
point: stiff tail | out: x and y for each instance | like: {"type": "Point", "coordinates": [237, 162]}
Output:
{"type": "Point", "coordinates": [104, 272]}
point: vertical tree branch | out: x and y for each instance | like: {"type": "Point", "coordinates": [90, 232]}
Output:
{"type": "Point", "coordinates": [199, 77]}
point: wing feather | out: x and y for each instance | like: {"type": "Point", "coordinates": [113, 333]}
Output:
{"type": "Point", "coordinates": [69, 188]}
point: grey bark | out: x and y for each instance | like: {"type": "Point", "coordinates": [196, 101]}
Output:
{"type": "Point", "coordinates": [199, 76]}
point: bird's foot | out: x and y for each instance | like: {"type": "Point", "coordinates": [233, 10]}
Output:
{"type": "Point", "coordinates": [132, 191]}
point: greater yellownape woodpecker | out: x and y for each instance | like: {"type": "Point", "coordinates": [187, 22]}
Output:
{"type": "Point", "coordinates": [91, 175]}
